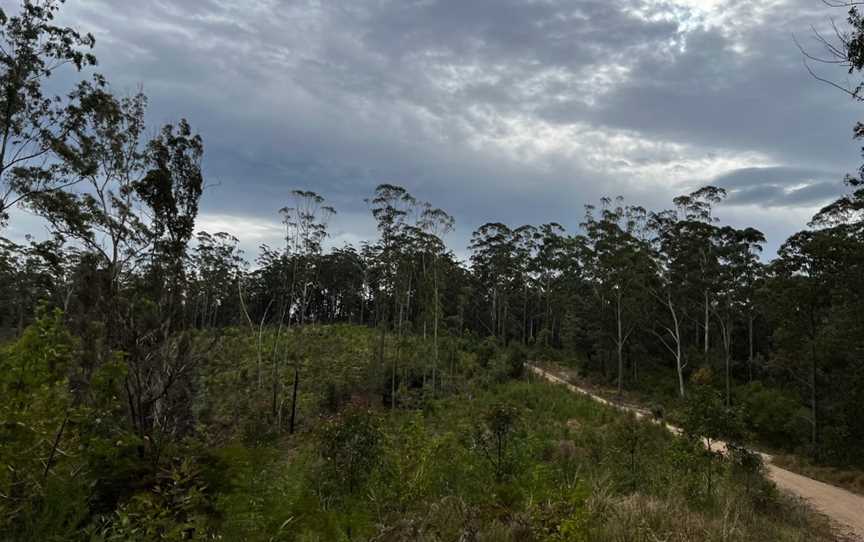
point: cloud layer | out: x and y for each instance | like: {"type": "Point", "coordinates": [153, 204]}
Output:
{"type": "Point", "coordinates": [518, 111]}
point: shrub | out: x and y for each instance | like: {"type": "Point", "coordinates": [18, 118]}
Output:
{"type": "Point", "coordinates": [494, 439]}
{"type": "Point", "coordinates": [486, 352]}
{"type": "Point", "coordinates": [517, 357]}
{"type": "Point", "coordinates": [768, 412]}
{"type": "Point", "coordinates": [348, 446]}
{"type": "Point", "coordinates": [177, 508]}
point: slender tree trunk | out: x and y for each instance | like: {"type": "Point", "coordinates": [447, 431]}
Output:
{"type": "Point", "coordinates": [814, 435]}
{"type": "Point", "coordinates": [525, 314]}
{"type": "Point", "coordinates": [728, 382]}
{"type": "Point", "coordinates": [435, 327]}
{"type": "Point", "coordinates": [50, 462]}
{"type": "Point", "coordinates": [750, 348]}
{"type": "Point", "coordinates": [396, 356]}
{"type": "Point", "coordinates": [707, 322]}
{"type": "Point", "coordinates": [260, 347]}
{"type": "Point", "coordinates": [294, 396]}
{"type": "Point", "coordinates": [679, 365]}
{"type": "Point", "coordinates": [726, 333]}
{"type": "Point", "coordinates": [360, 297]}
{"type": "Point", "coordinates": [620, 345]}
{"type": "Point", "coordinates": [393, 384]}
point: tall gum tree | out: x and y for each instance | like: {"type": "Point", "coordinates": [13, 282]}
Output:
{"type": "Point", "coordinates": [32, 123]}
{"type": "Point", "coordinates": [306, 220]}
{"type": "Point", "coordinates": [621, 268]}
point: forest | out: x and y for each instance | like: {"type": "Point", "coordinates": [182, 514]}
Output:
{"type": "Point", "coordinates": [155, 384]}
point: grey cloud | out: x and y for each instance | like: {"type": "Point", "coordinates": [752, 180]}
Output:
{"type": "Point", "coordinates": [337, 97]}
{"type": "Point", "coordinates": [763, 99]}
{"type": "Point", "coordinates": [781, 186]}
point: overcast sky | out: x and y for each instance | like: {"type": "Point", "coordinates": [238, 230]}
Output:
{"type": "Point", "coordinates": [495, 110]}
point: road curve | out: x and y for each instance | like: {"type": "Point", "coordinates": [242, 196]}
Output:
{"type": "Point", "coordinates": [844, 508]}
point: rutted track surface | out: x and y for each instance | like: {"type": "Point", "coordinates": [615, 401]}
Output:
{"type": "Point", "coordinates": [844, 508]}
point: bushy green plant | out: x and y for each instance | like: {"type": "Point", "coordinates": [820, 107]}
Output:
{"type": "Point", "coordinates": [495, 439]}
{"type": "Point", "coordinates": [177, 508]}
{"type": "Point", "coordinates": [769, 413]}
{"type": "Point", "coordinates": [486, 352]}
{"type": "Point", "coordinates": [411, 470]}
{"type": "Point", "coordinates": [517, 357]}
{"type": "Point", "coordinates": [349, 447]}
{"type": "Point", "coordinates": [748, 469]}
{"type": "Point", "coordinates": [39, 433]}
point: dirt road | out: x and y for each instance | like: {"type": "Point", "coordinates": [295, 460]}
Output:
{"type": "Point", "coordinates": [844, 508]}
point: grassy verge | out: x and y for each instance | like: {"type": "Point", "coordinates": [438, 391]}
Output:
{"type": "Point", "coordinates": [852, 480]}
{"type": "Point", "coordinates": [846, 478]}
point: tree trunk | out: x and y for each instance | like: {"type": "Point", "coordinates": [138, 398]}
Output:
{"type": "Point", "coordinates": [435, 328]}
{"type": "Point", "coordinates": [707, 324]}
{"type": "Point", "coordinates": [726, 333]}
{"type": "Point", "coordinates": [750, 348]}
{"type": "Point", "coordinates": [814, 435]}
{"type": "Point", "coordinates": [728, 380]}
{"type": "Point", "coordinates": [294, 397]}
{"type": "Point", "coordinates": [679, 366]}
{"type": "Point", "coordinates": [620, 345]}
{"type": "Point", "coordinates": [525, 314]}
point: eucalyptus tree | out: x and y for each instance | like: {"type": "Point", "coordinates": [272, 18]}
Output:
{"type": "Point", "coordinates": [343, 286]}
{"type": "Point", "coordinates": [668, 292]}
{"type": "Point", "coordinates": [695, 252]}
{"type": "Point", "coordinates": [620, 267]}
{"type": "Point", "coordinates": [133, 216]}
{"type": "Point", "coordinates": [32, 122]}
{"type": "Point", "coordinates": [800, 304]}
{"type": "Point", "coordinates": [838, 244]}
{"type": "Point", "coordinates": [820, 271]}
{"type": "Point", "coordinates": [580, 327]}
{"type": "Point", "coordinates": [161, 355]}
{"type": "Point", "coordinates": [494, 265]}
{"type": "Point", "coordinates": [106, 157]}
{"type": "Point", "coordinates": [306, 221]}
{"type": "Point", "coordinates": [554, 266]}
{"type": "Point", "coordinates": [38, 272]}
{"type": "Point", "coordinates": [393, 208]}
{"type": "Point", "coordinates": [434, 225]}
{"type": "Point", "coordinates": [738, 253]}
{"type": "Point", "coordinates": [526, 238]}
{"type": "Point", "coordinates": [217, 269]}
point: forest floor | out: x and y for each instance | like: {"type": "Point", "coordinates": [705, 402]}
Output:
{"type": "Point", "coordinates": [844, 508]}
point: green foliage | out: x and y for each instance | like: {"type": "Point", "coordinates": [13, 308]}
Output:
{"type": "Point", "coordinates": [769, 413]}
{"type": "Point", "coordinates": [507, 461]}
{"type": "Point", "coordinates": [39, 436]}
{"type": "Point", "coordinates": [349, 446]}
{"type": "Point", "coordinates": [748, 468]}
{"type": "Point", "coordinates": [517, 357]}
{"type": "Point", "coordinates": [495, 439]}
{"type": "Point", "coordinates": [176, 508]}
{"type": "Point", "coordinates": [486, 352]}
{"type": "Point", "coordinates": [706, 415]}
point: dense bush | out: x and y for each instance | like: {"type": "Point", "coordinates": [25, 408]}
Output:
{"type": "Point", "coordinates": [770, 414]}
{"type": "Point", "coordinates": [489, 459]}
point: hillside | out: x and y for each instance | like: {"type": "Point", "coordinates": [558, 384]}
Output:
{"type": "Point", "coordinates": [490, 457]}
